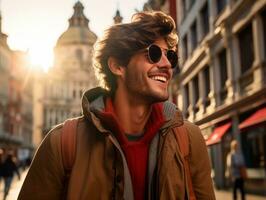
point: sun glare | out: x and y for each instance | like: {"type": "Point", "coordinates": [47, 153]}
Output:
{"type": "Point", "coordinates": [41, 58]}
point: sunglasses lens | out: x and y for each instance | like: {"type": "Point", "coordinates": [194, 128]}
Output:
{"type": "Point", "coordinates": [172, 57]}
{"type": "Point", "coordinates": [155, 53]}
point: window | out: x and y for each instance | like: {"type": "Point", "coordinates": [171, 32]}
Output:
{"type": "Point", "coordinates": [254, 148]}
{"type": "Point", "coordinates": [186, 90]}
{"type": "Point", "coordinates": [206, 73]}
{"type": "Point", "coordinates": [51, 120]}
{"type": "Point", "coordinates": [183, 7]}
{"type": "Point", "coordinates": [185, 49]}
{"type": "Point", "coordinates": [223, 67]}
{"type": "Point", "coordinates": [11, 128]}
{"type": "Point", "coordinates": [205, 19]}
{"type": "Point", "coordinates": [56, 117]}
{"type": "Point", "coordinates": [186, 100]}
{"type": "Point", "coordinates": [74, 93]}
{"type": "Point", "coordinates": [223, 74]}
{"type": "Point", "coordinates": [246, 48]}
{"type": "Point", "coordinates": [195, 83]}
{"type": "Point", "coordinates": [264, 30]}
{"type": "Point", "coordinates": [220, 5]}
{"type": "Point", "coordinates": [191, 3]}
{"type": "Point", "coordinates": [79, 54]}
{"type": "Point", "coordinates": [194, 36]}
{"type": "Point", "coordinates": [253, 143]}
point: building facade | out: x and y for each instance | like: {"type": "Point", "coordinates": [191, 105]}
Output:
{"type": "Point", "coordinates": [5, 65]}
{"type": "Point", "coordinates": [15, 99]}
{"type": "Point", "coordinates": [222, 83]}
{"type": "Point", "coordinates": [20, 98]}
{"type": "Point", "coordinates": [57, 94]}
{"type": "Point", "coordinates": [166, 6]}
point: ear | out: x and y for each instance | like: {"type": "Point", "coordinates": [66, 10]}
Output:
{"type": "Point", "coordinates": [114, 67]}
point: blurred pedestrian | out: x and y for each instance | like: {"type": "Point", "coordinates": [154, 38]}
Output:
{"type": "Point", "coordinates": [9, 168]}
{"type": "Point", "coordinates": [236, 169]}
{"type": "Point", "coordinates": [126, 138]}
{"type": "Point", "coordinates": [28, 161]}
{"type": "Point", "coordinates": [1, 164]}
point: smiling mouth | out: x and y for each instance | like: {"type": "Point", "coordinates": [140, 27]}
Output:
{"type": "Point", "coordinates": [162, 79]}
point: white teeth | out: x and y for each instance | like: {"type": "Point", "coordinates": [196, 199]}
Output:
{"type": "Point", "coordinates": [159, 78]}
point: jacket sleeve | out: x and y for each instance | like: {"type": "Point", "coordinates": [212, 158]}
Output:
{"type": "Point", "coordinates": [200, 165]}
{"type": "Point", "coordinates": [45, 177]}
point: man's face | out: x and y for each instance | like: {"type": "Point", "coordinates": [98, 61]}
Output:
{"type": "Point", "coordinates": [146, 81]}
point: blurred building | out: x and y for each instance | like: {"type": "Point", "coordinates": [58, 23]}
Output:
{"type": "Point", "coordinates": [222, 83]}
{"type": "Point", "coordinates": [167, 6]}
{"type": "Point", "coordinates": [57, 94]}
{"type": "Point", "coordinates": [5, 65]}
{"type": "Point", "coordinates": [117, 18]}
{"type": "Point", "coordinates": [20, 98]}
{"type": "Point", "coordinates": [15, 98]}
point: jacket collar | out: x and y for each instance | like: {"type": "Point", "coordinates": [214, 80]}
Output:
{"type": "Point", "coordinates": [93, 103]}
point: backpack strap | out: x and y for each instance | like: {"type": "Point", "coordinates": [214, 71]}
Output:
{"type": "Point", "coordinates": [182, 138]}
{"type": "Point", "coordinates": [68, 144]}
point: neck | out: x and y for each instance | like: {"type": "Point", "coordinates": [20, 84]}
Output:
{"type": "Point", "coordinates": [131, 113]}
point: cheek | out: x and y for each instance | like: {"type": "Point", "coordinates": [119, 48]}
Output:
{"type": "Point", "coordinates": [136, 73]}
{"type": "Point", "coordinates": [134, 77]}
{"type": "Point", "coordinates": [171, 74]}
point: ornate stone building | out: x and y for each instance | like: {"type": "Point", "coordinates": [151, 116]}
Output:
{"type": "Point", "coordinates": [57, 94]}
{"type": "Point", "coordinates": [222, 84]}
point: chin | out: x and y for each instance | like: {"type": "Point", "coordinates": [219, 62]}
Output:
{"type": "Point", "coordinates": [161, 99]}
{"type": "Point", "coordinates": [156, 98]}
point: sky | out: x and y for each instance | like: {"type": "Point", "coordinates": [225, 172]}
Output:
{"type": "Point", "coordinates": [35, 25]}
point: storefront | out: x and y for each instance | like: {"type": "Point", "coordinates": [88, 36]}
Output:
{"type": "Point", "coordinates": [253, 140]}
{"type": "Point", "coordinates": [218, 147]}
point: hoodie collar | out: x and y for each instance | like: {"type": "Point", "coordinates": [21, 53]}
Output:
{"type": "Point", "coordinates": [93, 103]}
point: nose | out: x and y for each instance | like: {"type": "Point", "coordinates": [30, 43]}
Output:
{"type": "Point", "coordinates": [164, 62]}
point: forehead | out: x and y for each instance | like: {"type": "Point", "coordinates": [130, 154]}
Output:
{"type": "Point", "coordinates": [161, 42]}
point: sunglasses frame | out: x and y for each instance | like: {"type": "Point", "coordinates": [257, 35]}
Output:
{"type": "Point", "coordinates": [162, 51]}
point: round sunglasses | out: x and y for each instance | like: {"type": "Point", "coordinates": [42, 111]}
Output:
{"type": "Point", "coordinates": [155, 54]}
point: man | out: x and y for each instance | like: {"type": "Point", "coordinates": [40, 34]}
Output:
{"type": "Point", "coordinates": [126, 147]}
{"type": "Point", "coordinates": [237, 169]}
{"type": "Point", "coordinates": [9, 168]}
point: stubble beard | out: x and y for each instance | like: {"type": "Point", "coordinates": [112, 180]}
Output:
{"type": "Point", "coordinates": [146, 94]}
{"type": "Point", "coordinates": [141, 89]}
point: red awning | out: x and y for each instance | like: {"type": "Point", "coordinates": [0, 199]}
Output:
{"type": "Point", "coordinates": [258, 117]}
{"type": "Point", "coordinates": [218, 133]}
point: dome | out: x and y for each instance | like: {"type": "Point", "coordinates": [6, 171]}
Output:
{"type": "Point", "coordinates": [77, 35]}
{"type": "Point", "coordinates": [78, 31]}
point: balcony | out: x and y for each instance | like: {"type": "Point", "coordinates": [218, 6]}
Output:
{"type": "Point", "coordinates": [245, 82]}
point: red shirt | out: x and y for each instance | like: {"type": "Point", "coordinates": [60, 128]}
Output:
{"type": "Point", "coordinates": [136, 152]}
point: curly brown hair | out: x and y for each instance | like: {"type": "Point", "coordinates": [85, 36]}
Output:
{"type": "Point", "coordinates": [122, 41]}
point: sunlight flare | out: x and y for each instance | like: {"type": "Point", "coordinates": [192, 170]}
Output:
{"type": "Point", "coordinates": [40, 57]}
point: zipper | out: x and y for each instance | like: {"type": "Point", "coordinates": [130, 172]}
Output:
{"type": "Point", "coordinates": [128, 188]}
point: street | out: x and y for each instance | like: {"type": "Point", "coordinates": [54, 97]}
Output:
{"type": "Point", "coordinates": [13, 194]}
{"type": "Point", "coordinates": [16, 185]}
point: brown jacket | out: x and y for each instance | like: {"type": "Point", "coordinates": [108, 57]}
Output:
{"type": "Point", "coordinates": [100, 170]}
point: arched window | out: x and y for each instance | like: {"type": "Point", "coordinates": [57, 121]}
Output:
{"type": "Point", "coordinates": [79, 54]}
